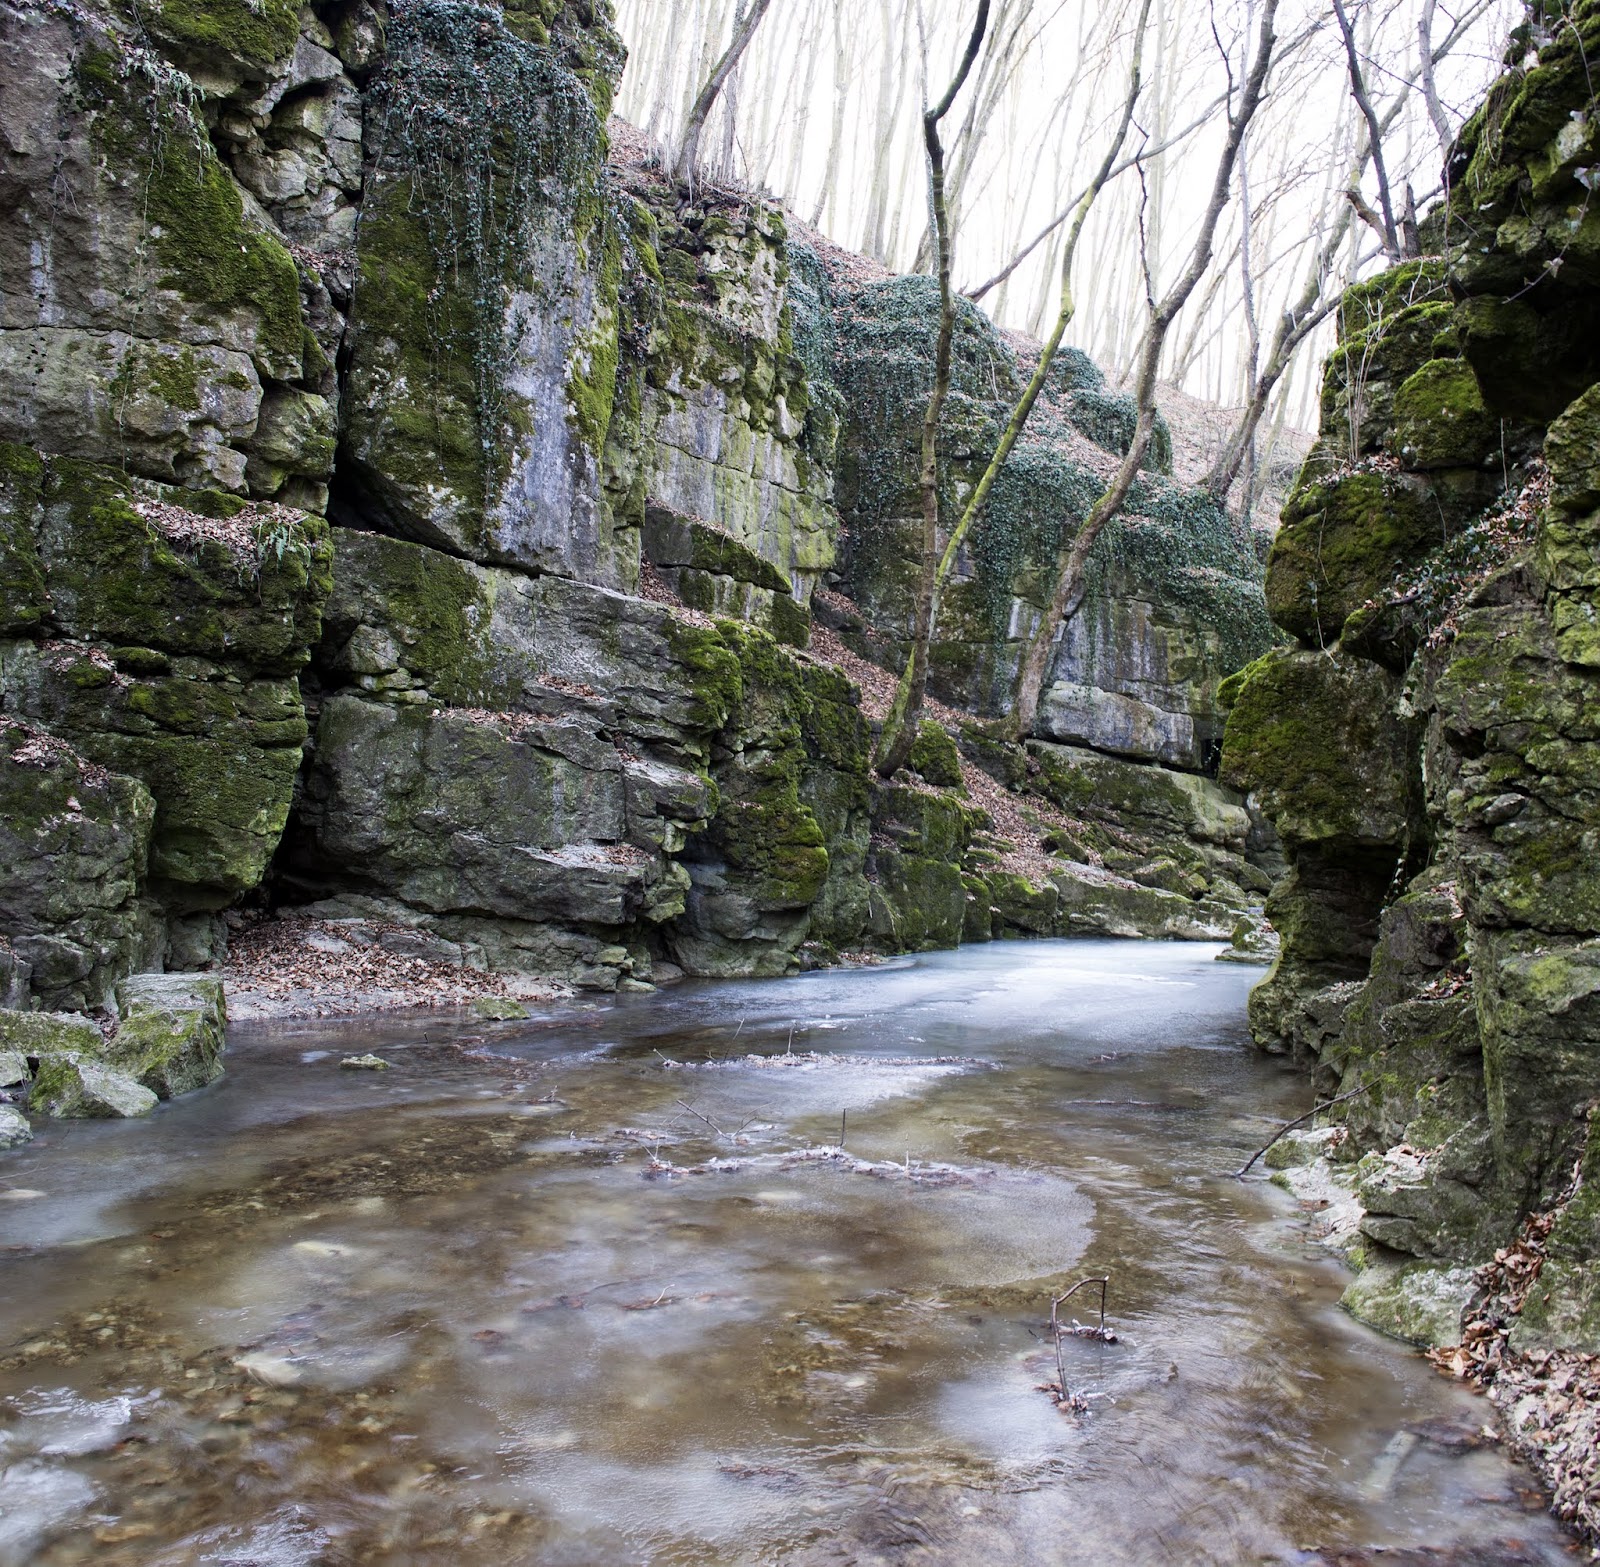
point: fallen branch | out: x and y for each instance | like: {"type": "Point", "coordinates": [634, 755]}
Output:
{"type": "Point", "coordinates": [1310, 1114]}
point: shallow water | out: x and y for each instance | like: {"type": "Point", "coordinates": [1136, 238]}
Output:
{"type": "Point", "coordinates": [573, 1291]}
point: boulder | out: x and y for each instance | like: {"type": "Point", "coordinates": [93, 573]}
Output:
{"type": "Point", "coordinates": [33, 1035]}
{"type": "Point", "coordinates": [14, 1128]}
{"type": "Point", "coordinates": [73, 1087]}
{"type": "Point", "coordinates": [172, 1031]}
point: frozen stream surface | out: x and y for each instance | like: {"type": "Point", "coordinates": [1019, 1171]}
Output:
{"type": "Point", "coordinates": [492, 1307]}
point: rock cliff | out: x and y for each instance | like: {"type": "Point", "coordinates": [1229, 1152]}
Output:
{"type": "Point", "coordinates": [415, 525]}
{"type": "Point", "coordinates": [1426, 748]}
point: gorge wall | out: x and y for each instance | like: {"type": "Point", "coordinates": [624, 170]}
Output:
{"type": "Point", "coordinates": [1427, 746]}
{"type": "Point", "coordinates": [413, 525]}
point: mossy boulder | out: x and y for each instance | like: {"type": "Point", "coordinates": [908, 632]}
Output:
{"type": "Point", "coordinates": [935, 759]}
{"type": "Point", "coordinates": [74, 1087]}
{"type": "Point", "coordinates": [1319, 740]}
{"type": "Point", "coordinates": [35, 1035]}
{"type": "Point", "coordinates": [1156, 800]}
{"type": "Point", "coordinates": [1568, 550]}
{"type": "Point", "coordinates": [1440, 420]}
{"type": "Point", "coordinates": [1341, 543]}
{"type": "Point", "coordinates": [1419, 1302]}
{"type": "Point", "coordinates": [171, 1031]}
{"type": "Point", "coordinates": [74, 846]}
{"type": "Point", "coordinates": [917, 904]}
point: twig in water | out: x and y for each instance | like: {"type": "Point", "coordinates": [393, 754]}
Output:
{"type": "Point", "coordinates": [699, 1117]}
{"type": "Point", "coordinates": [789, 1051]}
{"type": "Point", "coordinates": [842, 1115]}
{"type": "Point", "coordinates": [1310, 1114]}
{"type": "Point", "coordinates": [1066, 1399]}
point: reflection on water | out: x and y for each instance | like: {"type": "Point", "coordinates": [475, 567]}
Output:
{"type": "Point", "coordinates": [574, 1291]}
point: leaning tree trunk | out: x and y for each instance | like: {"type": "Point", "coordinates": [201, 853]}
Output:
{"type": "Point", "coordinates": [745, 24]}
{"type": "Point", "coordinates": [1073, 561]}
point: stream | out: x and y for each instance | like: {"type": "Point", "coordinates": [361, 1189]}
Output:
{"type": "Point", "coordinates": [590, 1289]}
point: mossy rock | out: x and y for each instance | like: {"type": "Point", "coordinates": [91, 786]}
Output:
{"type": "Point", "coordinates": [1563, 1312]}
{"type": "Point", "coordinates": [1320, 741]}
{"type": "Point", "coordinates": [255, 34]}
{"type": "Point", "coordinates": [935, 758]}
{"type": "Point", "coordinates": [671, 539]}
{"type": "Point", "coordinates": [918, 904]}
{"type": "Point", "coordinates": [74, 846]}
{"type": "Point", "coordinates": [219, 755]}
{"type": "Point", "coordinates": [1419, 1302]}
{"type": "Point", "coordinates": [73, 1087]}
{"type": "Point", "coordinates": [1569, 533]}
{"type": "Point", "coordinates": [397, 606]}
{"type": "Point", "coordinates": [115, 577]}
{"type": "Point", "coordinates": [35, 1035]}
{"type": "Point", "coordinates": [1440, 420]}
{"type": "Point", "coordinates": [1019, 906]}
{"type": "Point", "coordinates": [24, 596]}
{"type": "Point", "coordinates": [171, 1031]}
{"type": "Point", "coordinates": [1342, 542]}
{"type": "Point", "coordinates": [203, 246]}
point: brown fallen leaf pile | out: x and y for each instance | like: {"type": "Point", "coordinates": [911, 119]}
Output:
{"type": "Point", "coordinates": [1549, 1400]}
{"type": "Point", "coordinates": [326, 968]}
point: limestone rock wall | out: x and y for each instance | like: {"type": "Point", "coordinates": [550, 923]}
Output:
{"type": "Point", "coordinates": [1427, 751]}
{"type": "Point", "coordinates": [409, 518]}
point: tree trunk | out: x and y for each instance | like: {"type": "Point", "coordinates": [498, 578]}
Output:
{"type": "Point", "coordinates": [900, 727]}
{"type": "Point", "coordinates": [1072, 562]}
{"type": "Point", "coordinates": [745, 24]}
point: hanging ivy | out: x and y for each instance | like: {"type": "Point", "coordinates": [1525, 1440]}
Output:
{"type": "Point", "coordinates": [487, 130]}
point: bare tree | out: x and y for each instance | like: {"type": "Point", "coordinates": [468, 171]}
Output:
{"type": "Point", "coordinates": [899, 732]}
{"type": "Point", "coordinates": [894, 746]}
{"type": "Point", "coordinates": [1073, 560]}
{"type": "Point", "coordinates": [745, 22]}
{"type": "Point", "coordinates": [1324, 279]}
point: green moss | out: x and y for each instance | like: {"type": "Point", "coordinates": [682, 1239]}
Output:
{"type": "Point", "coordinates": [429, 396]}
{"type": "Point", "coordinates": [1343, 541]}
{"type": "Point", "coordinates": [714, 672]}
{"type": "Point", "coordinates": [1319, 740]}
{"type": "Point", "coordinates": [1440, 418]}
{"type": "Point", "coordinates": [198, 236]}
{"type": "Point", "coordinates": [934, 756]}
{"type": "Point", "coordinates": [258, 32]}
{"type": "Point", "coordinates": [24, 597]}
{"type": "Point", "coordinates": [171, 378]}
{"type": "Point", "coordinates": [116, 578]}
